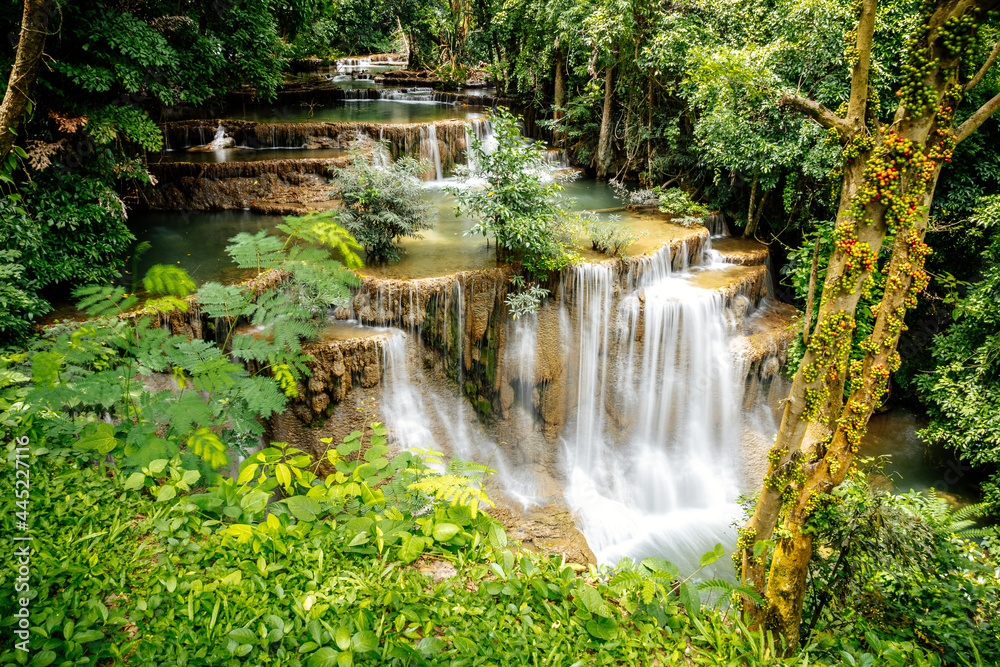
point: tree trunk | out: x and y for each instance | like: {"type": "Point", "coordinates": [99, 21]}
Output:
{"type": "Point", "coordinates": [752, 215]}
{"type": "Point", "coordinates": [34, 27]}
{"type": "Point", "coordinates": [888, 185]}
{"type": "Point", "coordinates": [559, 95]}
{"type": "Point", "coordinates": [604, 143]}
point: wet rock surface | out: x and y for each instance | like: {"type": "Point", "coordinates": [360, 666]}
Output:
{"type": "Point", "coordinates": [548, 530]}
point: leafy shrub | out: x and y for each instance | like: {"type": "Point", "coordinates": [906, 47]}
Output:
{"type": "Point", "coordinates": [382, 204]}
{"type": "Point", "coordinates": [610, 236]}
{"type": "Point", "coordinates": [676, 202]}
{"type": "Point", "coordinates": [527, 299]}
{"type": "Point", "coordinates": [64, 229]}
{"type": "Point", "coordinates": [962, 391]}
{"type": "Point", "coordinates": [892, 570]}
{"type": "Point", "coordinates": [522, 210]}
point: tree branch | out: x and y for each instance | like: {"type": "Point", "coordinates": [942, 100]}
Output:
{"type": "Point", "coordinates": [817, 112]}
{"type": "Point", "coordinates": [977, 119]}
{"type": "Point", "coordinates": [857, 105]}
{"type": "Point", "coordinates": [34, 26]}
{"type": "Point", "coordinates": [982, 70]}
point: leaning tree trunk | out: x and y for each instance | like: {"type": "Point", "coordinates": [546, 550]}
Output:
{"type": "Point", "coordinates": [889, 177]}
{"type": "Point", "coordinates": [604, 142]}
{"type": "Point", "coordinates": [559, 95]}
{"type": "Point", "coordinates": [34, 27]}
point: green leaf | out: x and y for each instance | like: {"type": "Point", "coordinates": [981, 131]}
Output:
{"type": "Point", "coordinates": [243, 636]}
{"type": "Point", "coordinates": [654, 564]}
{"type": "Point", "coordinates": [135, 481]}
{"type": "Point", "coordinates": [100, 438]}
{"type": "Point", "coordinates": [324, 657]}
{"type": "Point", "coordinates": [412, 547]}
{"type": "Point", "coordinates": [166, 492]}
{"type": "Point", "coordinates": [712, 556]}
{"type": "Point", "coordinates": [444, 531]}
{"type": "Point", "coordinates": [690, 598]}
{"type": "Point", "coordinates": [84, 636]}
{"type": "Point", "coordinates": [343, 637]}
{"type": "Point", "coordinates": [247, 473]}
{"type": "Point", "coordinates": [497, 536]}
{"type": "Point", "coordinates": [43, 659]}
{"type": "Point", "coordinates": [364, 641]}
{"type": "Point", "coordinates": [45, 367]}
{"type": "Point", "coordinates": [602, 628]}
{"type": "Point", "coordinates": [168, 279]}
{"type": "Point", "coordinates": [303, 508]}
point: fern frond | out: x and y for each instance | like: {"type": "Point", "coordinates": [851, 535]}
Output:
{"type": "Point", "coordinates": [255, 251]}
{"type": "Point", "coordinates": [168, 280]}
{"type": "Point", "coordinates": [454, 489]}
{"type": "Point", "coordinates": [103, 300]}
{"type": "Point", "coordinates": [224, 301]}
{"type": "Point", "coordinates": [719, 585]}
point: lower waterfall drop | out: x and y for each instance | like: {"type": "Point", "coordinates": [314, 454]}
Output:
{"type": "Point", "coordinates": [651, 452]}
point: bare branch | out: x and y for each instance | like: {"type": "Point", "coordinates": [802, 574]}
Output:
{"type": "Point", "coordinates": [977, 119]}
{"type": "Point", "coordinates": [982, 70]}
{"type": "Point", "coordinates": [817, 112]}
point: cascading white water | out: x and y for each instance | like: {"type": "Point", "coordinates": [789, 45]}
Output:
{"type": "Point", "coordinates": [656, 413]}
{"type": "Point", "coordinates": [662, 481]}
{"type": "Point", "coordinates": [428, 135]}
{"type": "Point", "coordinates": [422, 413]}
{"type": "Point", "coordinates": [220, 140]}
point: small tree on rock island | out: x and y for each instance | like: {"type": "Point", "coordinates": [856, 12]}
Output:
{"type": "Point", "coordinates": [890, 169]}
{"type": "Point", "coordinates": [382, 204]}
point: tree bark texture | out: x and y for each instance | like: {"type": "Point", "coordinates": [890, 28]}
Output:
{"type": "Point", "coordinates": [34, 27]}
{"type": "Point", "coordinates": [559, 95]}
{"type": "Point", "coordinates": [605, 143]}
{"type": "Point", "coordinates": [889, 177]}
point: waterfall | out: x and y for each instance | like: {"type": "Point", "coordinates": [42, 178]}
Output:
{"type": "Point", "coordinates": [481, 129]}
{"type": "Point", "coordinates": [428, 136]}
{"type": "Point", "coordinates": [716, 223]}
{"type": "Point", "coordinates": [642, 364]}
{"type": "Point", "coordinates": [219, 141]}
{"type": "Point", "coordinates": [658, 477]}
{"type": "Point", "coordinates": [422, 412]}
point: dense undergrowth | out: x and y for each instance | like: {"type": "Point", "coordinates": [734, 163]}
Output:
{"type": "Point", "coordinates": [328, 578]}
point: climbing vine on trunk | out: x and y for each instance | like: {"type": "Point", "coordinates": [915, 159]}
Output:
{"type": "Point", "coordinates": [890, 170]}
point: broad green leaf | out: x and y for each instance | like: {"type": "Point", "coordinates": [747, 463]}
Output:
{"type": "Point", "coordinates": [243, 636]}
{"type": "Point", "coordinates": [364, 641]}
{"type": "Point", "coordinates": [412, 547]}
{"type": "Point", "coordinates": [43, 658]}
{"type": "Point", "coordinates": [497, 536]}
{"type": "Point", "coordinates": [100, 438]}
{"type": "Point", "coordinates": [602, 628]}
{"type": "Point", "coordinates": [247, 473]}
{"type": "Point", "coordinates": [135, 481]}
{"type": "Point", "coordinates": [303, 508]}
{"type": "Point", "coordinates": [444, 531]}
{"type": "Point", "coordinates": [343, 637]}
